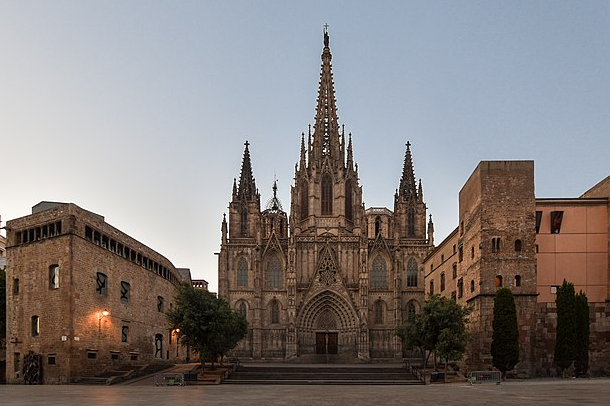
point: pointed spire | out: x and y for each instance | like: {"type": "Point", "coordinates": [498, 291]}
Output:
{"type": "Point", "coordinates": [234, 188]}
{"type": "Point", "coordinates": [302, 162]}
{"type": "Point", "coordinates": [420, 192]}
{"type": "Point", "coordinates": [326, 128]}
{"type": "Point", "coordinates": [274, 203]}
{"type": "Point", "coordinates": [407, 187]}
{"type": "Point", "coordinates": [247, 186]}
{"type": "Point", "coordinates": [430, 231]}
{"type": "Point", "coordinates": [350, 154]}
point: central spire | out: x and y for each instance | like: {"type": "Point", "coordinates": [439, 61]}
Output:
{"type": "Point", "coordinates": [326, 140]}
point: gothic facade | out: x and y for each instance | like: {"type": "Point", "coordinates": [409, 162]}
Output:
{"type": "Point", "coordinates": [331, 279]}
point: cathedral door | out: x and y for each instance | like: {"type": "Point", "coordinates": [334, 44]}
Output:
{"type": "Point", "coordinates": [327, 343]}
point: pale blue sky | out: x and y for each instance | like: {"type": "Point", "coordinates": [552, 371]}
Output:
{"type": "Point", "coordinates": [138, 110]}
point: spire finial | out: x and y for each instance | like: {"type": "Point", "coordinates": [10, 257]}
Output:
{"type": "Point", "coordinates": [326, 38]}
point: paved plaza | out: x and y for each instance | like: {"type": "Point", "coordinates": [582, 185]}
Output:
{"type": "Point", "coordinates": [535, 392]}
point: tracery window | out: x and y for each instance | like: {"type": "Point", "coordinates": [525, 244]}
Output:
{"type": "Point", "coordinates": [242, 272]}
{"type": "Point", "coordinates": [101, 284]}
{"type": "Point", "coordinates": [412, 273]}
{"type": "Point", "coordinates": [274, 272]}
{"type": "Point", "coordinates": [327, 195]}
{"type": "Point", "coordinates": [158, 345]}
{"type": "Point", "coordinates": [379, 273]}
{"type": "Point", "coordinates": [243, 310]}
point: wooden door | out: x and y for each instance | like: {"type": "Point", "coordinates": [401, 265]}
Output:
{"type": "Point", "coordinates": [333, 343]}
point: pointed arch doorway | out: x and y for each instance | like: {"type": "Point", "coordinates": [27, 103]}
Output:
{"type": "Point", "coordinates": [327, 335]}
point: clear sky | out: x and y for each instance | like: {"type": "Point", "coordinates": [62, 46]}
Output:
{"type": "Point", "coordinates": [138, 110]}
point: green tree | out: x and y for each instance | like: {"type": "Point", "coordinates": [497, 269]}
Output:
{"type": "Point", "coordinates": [207, 324]}
{"type": "Point", "coordinates": [505, 339]}
{"type": "Point", "coordinates": [581, 359]}
{"type": "Point", "coordinates": [439, 327]}
{"type": "Point", "coordinates": [565, 341]}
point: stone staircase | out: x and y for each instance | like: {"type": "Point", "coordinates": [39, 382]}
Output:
{"type": "Point", "coordinates": [316, 374]}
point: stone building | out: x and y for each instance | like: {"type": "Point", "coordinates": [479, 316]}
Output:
{"type": "Point", "coordinates": [508, 237]}
{"type": "Point", "coordinates": [330, 280]}
{"type": "Point", "coordinates": [84, 297]}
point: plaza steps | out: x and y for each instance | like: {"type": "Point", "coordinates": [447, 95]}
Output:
{"type": "Point", "coordinates": [316, 374]}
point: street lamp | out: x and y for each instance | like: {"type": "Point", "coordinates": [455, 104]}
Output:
{"type": "Point", "coordinates": [103, 314]}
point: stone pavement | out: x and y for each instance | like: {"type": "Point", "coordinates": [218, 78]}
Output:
{"type": "Point", "coordinates": [516, 393]}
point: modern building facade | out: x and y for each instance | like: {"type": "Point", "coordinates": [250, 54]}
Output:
{"type": "Point", "coordinates": [83, 297]}
{"type": "Point", "coordinates": [331, 278]}
{"type": "Point", "coordinates": [508, 237]}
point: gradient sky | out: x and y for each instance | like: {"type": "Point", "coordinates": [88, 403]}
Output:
{"type": "Point", "coordinates": [138, 110]}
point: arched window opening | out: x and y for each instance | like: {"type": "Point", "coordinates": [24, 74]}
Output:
{"type": "Point", "coordinates": [379, 274]}
{"type": "Point", "coordinates": [498, 281]}
{"type": "Point", "coordinates": [518, 245]}
{"type": "Point", "coordinates": [411, 222]}
{"type": "Point", "coordinates": [412, 273]}
{"type": "Point", "coordinates": [410, 310]}
{"type": "Point", "coordinates": [243, 310]}
{"type": "Point", "coordinates": [242, 272]}
{"type": "Point", "coordinates": [517, 280]}
{"type": "Point", "coordinates": [158, 345]}
{"type": "Point", "coordinates": [378, 312]}
{"type": "Point", "coordinates": [275, 312]}
{"type": "Point", "coordinates": [304, 200]}
{"type": "Point", "coordinates": [377, 225]}
{"type": "Point", "coordinates": [349, 209]}
{"type": "Point", "coordinates": [244, 222]}
{"type": "Point", "coordinates": [327, 195]}
{"type": "Point", "coordinates": [472, 286]}
{"type": "Point", "coordinates": [274, 272]}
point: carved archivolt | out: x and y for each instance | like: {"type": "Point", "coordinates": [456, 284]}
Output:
{"type": "Point", "coordinates": [325, 308]}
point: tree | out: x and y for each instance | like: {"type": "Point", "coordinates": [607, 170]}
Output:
{"type": "Point", "coordinates": [505, 338]}
{"type": "Point", "coordinates": [581, 359]}
{"type": "Point", "coordinates": [565, 342]}
{"type": "Point", "coordinates": [440, 326]}
{"type": "Point", "coordinates": [207, 324]}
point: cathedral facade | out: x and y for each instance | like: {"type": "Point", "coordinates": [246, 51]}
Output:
{"type": "Point", "coordinates": [331, 279]}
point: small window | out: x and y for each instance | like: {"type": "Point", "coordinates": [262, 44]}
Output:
{"type": "Point", "coordinates": [91, 354]}
{"type": "Point", "coordinates": [495, 244]}
{"type": "Point", "coordinates": [517, 280]}
{"type": "Point", "coordinates": [518, 245]}
{"type": "Point", "coordinates": [556, 219]}
{"type": "Point", "coordinates": [159, 346]}
{"type": "Point", "coordinates": [124, 333]}
{"type": "Point", "coordinates": [498, 280]}
{"type": "Point", "coordinates": [472, 286]}
{"type": "Point", "coordinates": [16, 286]}
{"type": "Point", "coordinates": [114, 356]}
{"type": "Point", "coordinates": [160, 304]}
{"type": "Point", "coordinates": [538, 221]}
{"type": "Point", "coordinates": [101, 284]}
{"type": "Point", "coordinates": [54, 277]}
{"type": "Point", "coordinates": [537, 249]}
{"type": "Point", "coordinates": [243, 310]}
{"type": "Point", "coordinates": [472, 253]}
{"type": "Point", "coordinates": [133, 356]}
{"type": "Point", "coordinates": [431, 287]}
{"type": "Point", "coordinates": [454, 271]}
{"type": "Point", "coordinates": [35, 326]}
{"type": "Point", "coordinates": [460, 253]}
{"type": "Point", "coordinates": [442, 282]}
{"type": "Point", "coordinates": [460, 287]}
{"type": "Point", "coordinates": [442, 258]}
{"type": "Point", "coordinates": [51, 359]}
{"type": "Point", "coordinates": [125, 291]}
{"type": "Point", "coordinates": [88, 233]}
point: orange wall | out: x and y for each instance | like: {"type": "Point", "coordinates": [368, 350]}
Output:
{"type": "Point", "coordinates": [579, 253]}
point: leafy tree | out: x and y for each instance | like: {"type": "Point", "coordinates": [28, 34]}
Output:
{"type": "Point", "coordinates": [207, 324]}
{"type": "Point", "coordinates": [505, 339]}
{"type": "Point", "coordinates": [440, 326]}
{"type": "Point", "coordinates": [565, 342]}
{"type": "Point", "coordinates": [581, 359]}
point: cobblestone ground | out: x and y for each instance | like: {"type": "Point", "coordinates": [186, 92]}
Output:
{"type": "Point", "coordinates": [553, 393]}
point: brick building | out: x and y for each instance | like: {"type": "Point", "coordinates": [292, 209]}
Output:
{"type": "Point", "coordinates": [508, 237]}
{"type": "Point", "coordinates": [345, 277]}
{"type": "Point", "coordinates": [84, 296]}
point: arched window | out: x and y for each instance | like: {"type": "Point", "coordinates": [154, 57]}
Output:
{"type": "Point", "coordinates": [498, 281]}
{"type": "Point", "coordinates": [349, 209]}
{"type": "Point", "coordinates": [517, 280]}
{"type": "Point", "coordinates": [158, 345]}
{"type": "Point", "coordinates": [411, 222]}
{"type": "Point", "coordinates": [378, 312]}
{"type": "Point", "coordinates": [243, 310]}
{"type": "Point", "coordinates": [518, 245]}
{"type": "Point", "coordinates": [472, 286]}
{"type": "Point", "coordinates": [244, 222]}
{"type": "Point", "coordinates": [304, 200]}
{"type": "Point", "coordinates": [412, 273]}
{"type": "Point", "coordinates": [379, 274]}
{"type": "Point", "coordinates": [377, 225]}
{"type": "Point", "coordinates": [242, 272]}
{"type": "Point", "coordinates": [275, 312]}
{"type": "Point", "coordinates": [274, 272]}
{"type": "Point", "coordinates": [327, 195]}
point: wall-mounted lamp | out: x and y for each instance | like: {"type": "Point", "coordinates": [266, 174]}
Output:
{"type": "Point", "coordinates": [103, 314]}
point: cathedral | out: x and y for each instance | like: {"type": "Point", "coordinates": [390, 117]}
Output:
{"type": "Point", "coordinates": [331, 280]}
